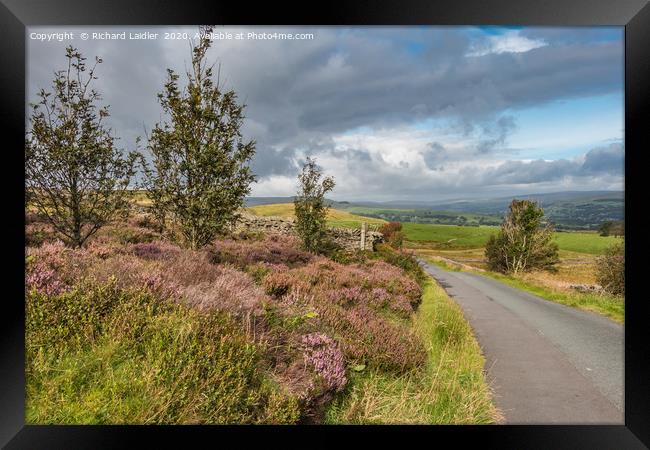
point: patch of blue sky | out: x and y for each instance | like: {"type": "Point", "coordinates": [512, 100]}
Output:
{"type": "Point", "coordinates": [568, 128]}
{"type": "Point", "coordinates": [496, 30]}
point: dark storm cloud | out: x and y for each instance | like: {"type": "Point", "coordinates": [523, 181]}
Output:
{"type": "Point", "coordinates": [604, 161]}
{"type": "Point", "coordinates": [301, 93]}
{"type": "Point", "coordinates": [607, 159]}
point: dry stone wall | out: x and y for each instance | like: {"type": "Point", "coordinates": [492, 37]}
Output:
{"type": "Point", "coordinates": [348, 238]}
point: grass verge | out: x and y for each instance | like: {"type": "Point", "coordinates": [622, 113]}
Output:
{"type": "Point", "coordinates": [450, 389]}
{"type": "Point", "coordinates": [606, 305]}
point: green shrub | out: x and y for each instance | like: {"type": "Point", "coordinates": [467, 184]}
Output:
{"type": "Point", "coordinates": [524, 242]}
{"type": "Point", "coordinates": [258, 272]}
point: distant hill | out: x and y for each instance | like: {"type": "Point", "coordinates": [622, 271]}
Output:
{"type": "Point", "coordinates": [257, 201]}
{"type": "Point", "coordinates": [570, 210]}
{"type": "Point", "coordinates": [576, 210]}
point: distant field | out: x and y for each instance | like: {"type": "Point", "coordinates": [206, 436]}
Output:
{"type": "Point", "coordinates": [335, 217]}
{"type": "Point", "coordinates": [453, 236]}
{"type": "Point", "coordinates": [585, 242]}
{"type": "Point", "coordinates": [426, 216]}
{"type": "Point", "coordinates": [448, 236]}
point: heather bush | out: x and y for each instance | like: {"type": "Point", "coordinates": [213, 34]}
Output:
{"type": "Point", "coordinates": [273, 249]}
{"type": "Point", "coordinates": [356, 256]}
{"type": "Point", "coordinates": [43, 280]}
{"type": "Point", "coordinates": [306, 317]}
{"type": "Point", "coordinates": [231, 291]}
{"type": "Point", "coordinates": [127, 357]}
{"type": "Point", "coordinates": [404, 260]}
{"type": "Point", "coordinates": [368, 338]}
{"type": "Point", "coordinates": [322, 354]}
{"type": "Point", "coordinates": [351, 301]}
{"type": "Point", "coordinates": [53, 268]}
{"type": "Point", "coordinates": [155, 250]}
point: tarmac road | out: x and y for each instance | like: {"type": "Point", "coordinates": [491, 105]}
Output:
{"type": "Point", "coordinates": [546, 363]}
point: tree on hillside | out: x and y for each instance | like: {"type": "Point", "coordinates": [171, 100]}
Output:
{"type": "Point", "coordinates": [612, 228]}
{"type": "Point", "coordinates": [310, 207]}
{"type": "Point", "coordinates": [200, 173]}
{"type": "Point", "coordinates": [74, 175]}
{"type": "Point", "coordinates": [524, 242]}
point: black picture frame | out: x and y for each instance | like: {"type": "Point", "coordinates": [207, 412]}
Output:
{"type": "Point", "coordinates": [16, 15]}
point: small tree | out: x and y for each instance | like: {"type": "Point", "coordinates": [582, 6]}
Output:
{"type": "Point", "coordinates": [310, 207]}
{"type": "Point", "coordinates": [524, 242]}
{"type": "Point", "coordinates": [612, 228]}
{"type": "Point", "coordinates": [74, 175]}
{"type": "Point", "coordinates": [604, 228]}
{"type": "Point", "coordinates": [201, 174]}
{"type": "Point", "coordinates": [610, 272]}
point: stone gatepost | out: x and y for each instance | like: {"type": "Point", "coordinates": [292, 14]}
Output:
{"type": "Point", "coordinates": [364, 228]}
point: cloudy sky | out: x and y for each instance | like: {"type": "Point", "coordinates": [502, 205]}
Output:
{"type": "Point", "coordinates": [393, 113]}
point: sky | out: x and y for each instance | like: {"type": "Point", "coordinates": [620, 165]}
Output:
{"type": "Point", "coordinates": [392, 113]}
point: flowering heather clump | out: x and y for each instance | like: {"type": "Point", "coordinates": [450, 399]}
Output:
{"type": "Point", "coordinates": [231, 291]}
{"type": "Point", "coordinates": [190, 267]}
{"type": "Point", "coordinates": [44, 280]}
{"type": "Point", "coordinates": [347, 296]}
{"type": "Point", "coordinates": [104, 248]}
{"type": "Point", "coordinates": [273, 249]}
{"type": "Point", "coordinates": [378, 284]}
{"type": "Point", "coordinates": [159, 286]}
{"type": "Point", "coordinates": [367, 337]}
{"type": "Point", "coordinates": [53, 267]}
{"type": "Point", "coordinates": [155, 250]}
{"type": "Point", "coordinates": [278, 284]}
{"type": "Point", "coordinates": [348, 300]}
{"type": "Point", "coordinates": [322, 353]}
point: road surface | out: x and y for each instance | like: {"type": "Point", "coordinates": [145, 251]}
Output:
{"type": "Point", "coordinates": [546, 363]}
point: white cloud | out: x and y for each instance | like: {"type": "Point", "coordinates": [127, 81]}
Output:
{"type": "Point", "coordinates": [509, 42]}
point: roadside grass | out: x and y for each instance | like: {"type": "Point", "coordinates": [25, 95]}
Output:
{"type": "Point", "coordinates": [606, 305]}
{"type": "Point", "coordinates": [335, 217]}
{"type": "Point", "coordinates": [450, 389]}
